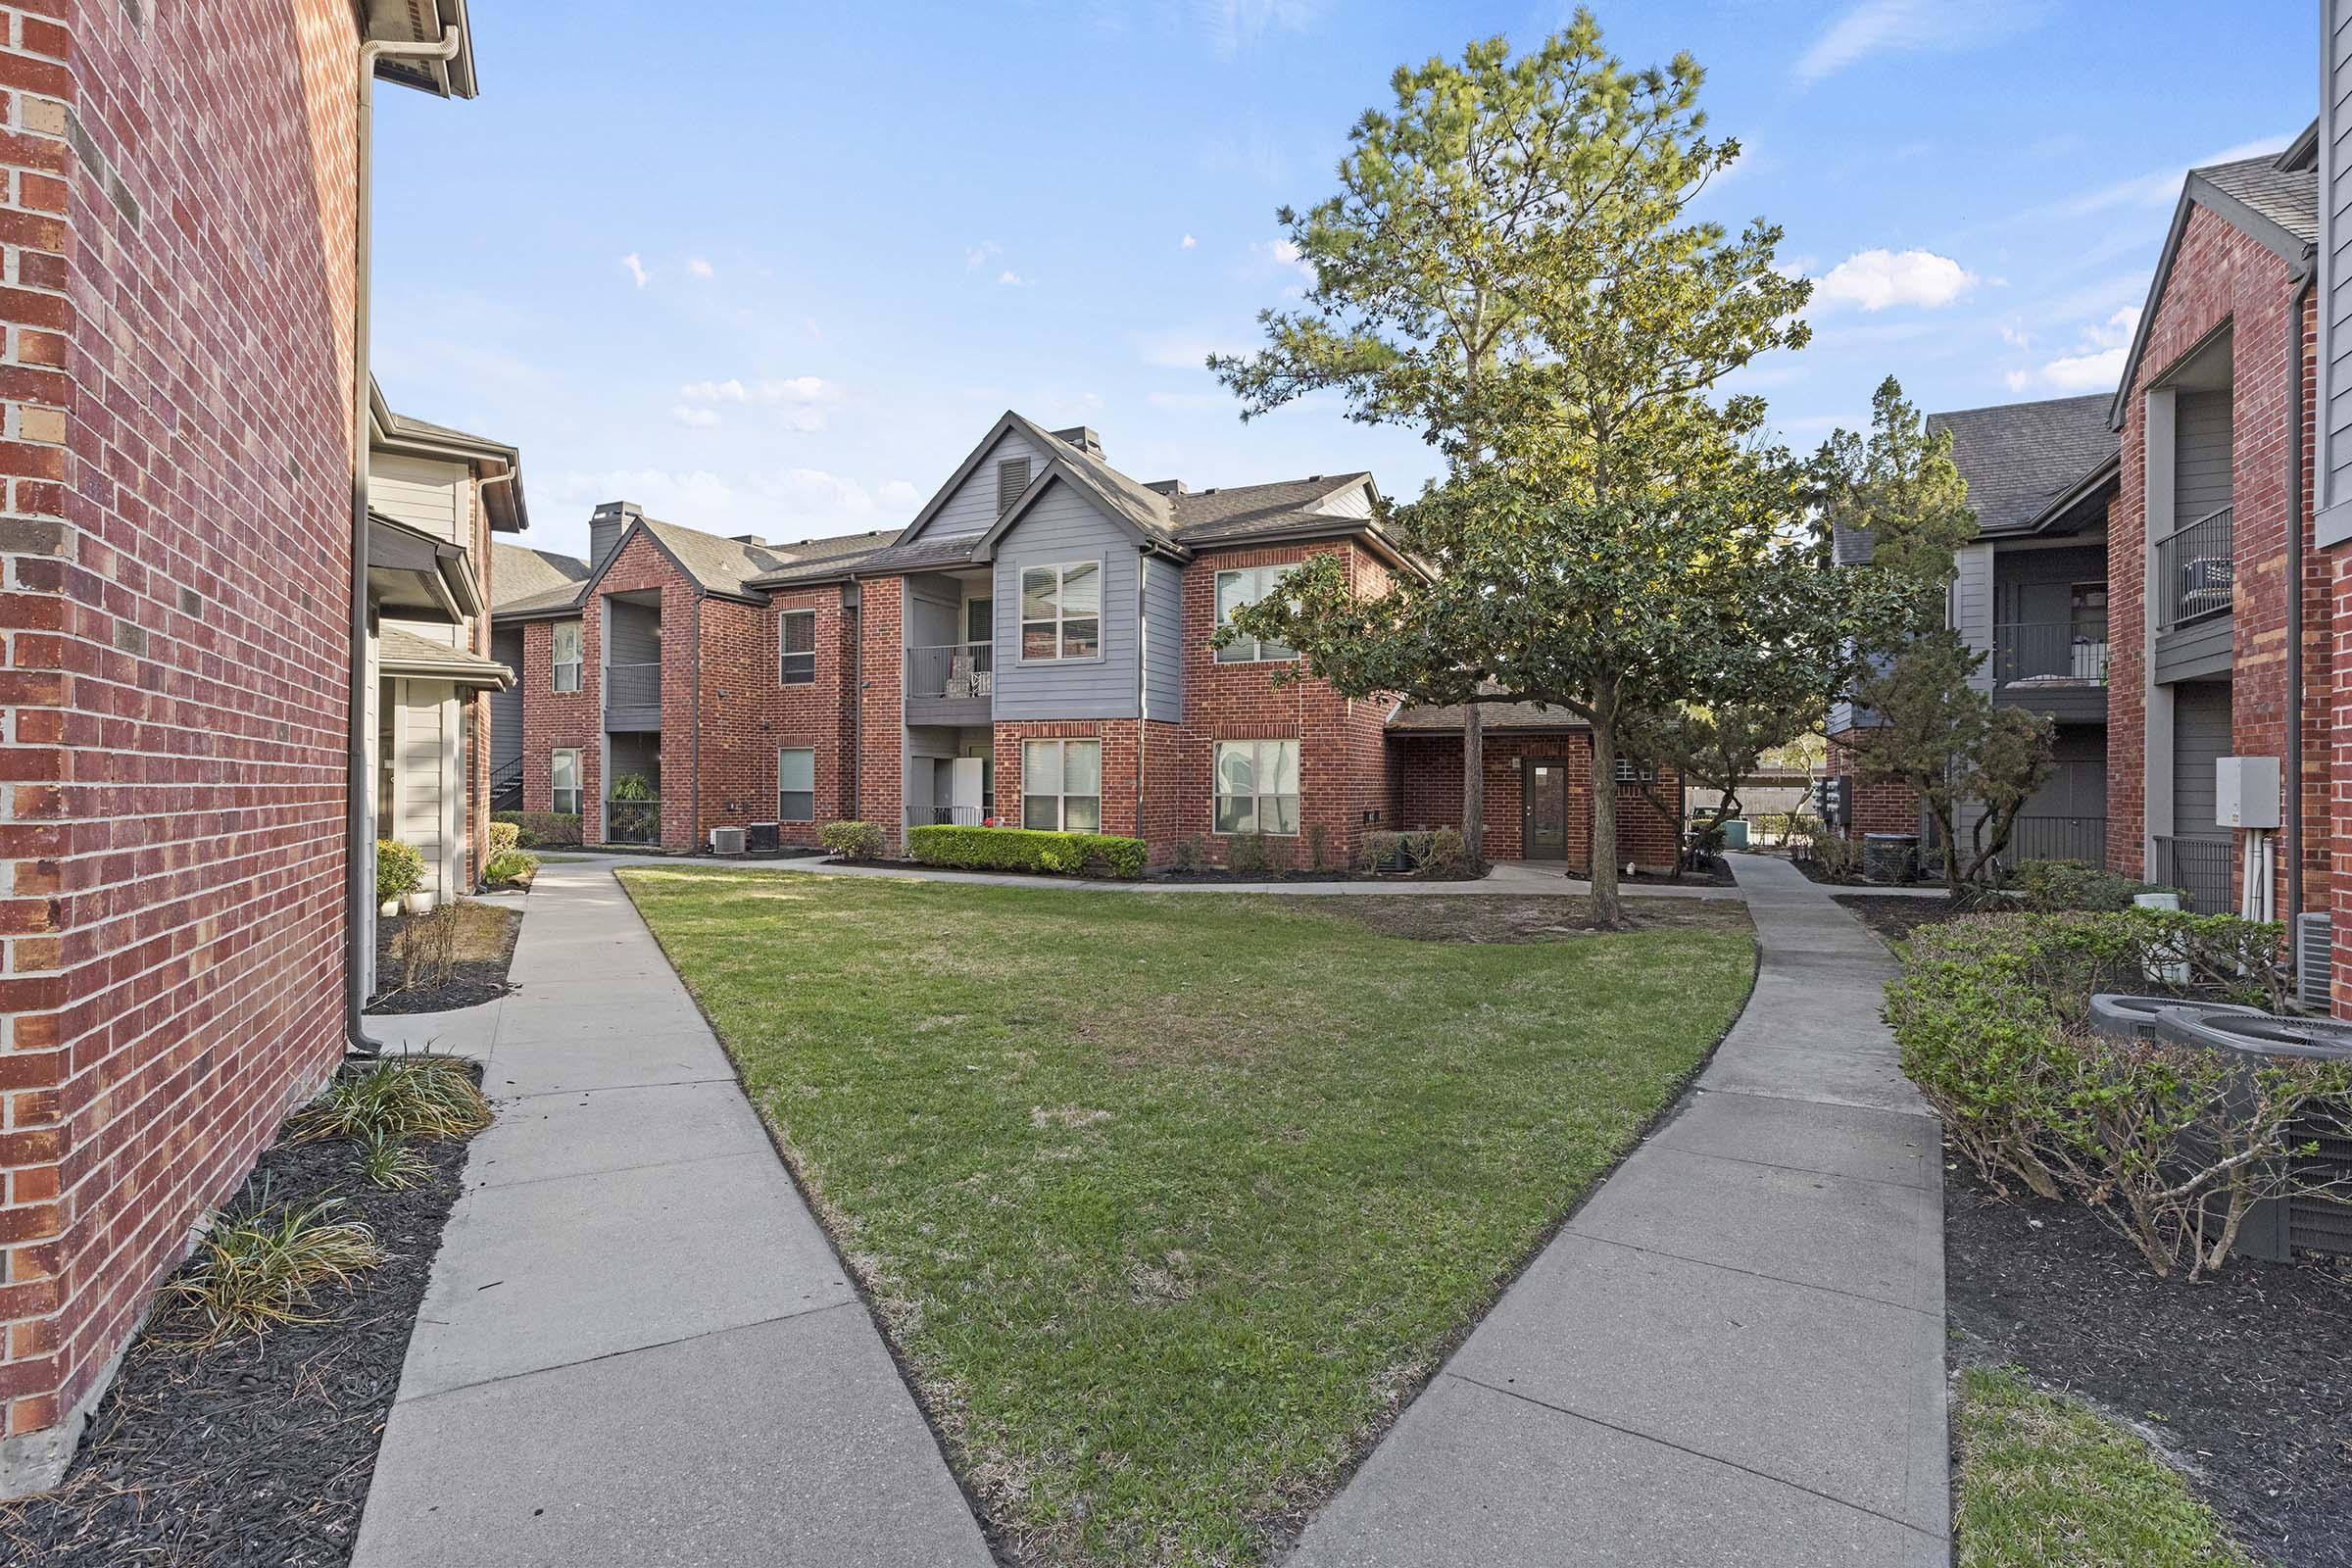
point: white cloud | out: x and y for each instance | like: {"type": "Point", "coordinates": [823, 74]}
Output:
{"type": "Point", "coordinates": [975, 257]}
{"type": "Point", "coordinates": [1909, 26]}
{"type": "Point", "coordinates": [897, 493]}
{"type": "Point", "coordinates": [801, 400]}
{"type": "Point", "coordinates": [701, 268]}
{"type": "Point", "coordinates": [776, 504]}
{"type": "Point", "coordinates": [1186, 243]}
{"type": "Point", "coordinates": [1234, 26]}
{"type": "Point", "coordinates": [1285, 253]}
{"type": "Point", "coordinates": [2096, 365]}
{"type": "Point", "coordinates": [696, 418]}
{"type": "Point", "coordinates": [1012, 279]}
{"type": "Point", "coordinates": [2158, 187]}
{"type": "Point", "coordinates": [636, 270]}
{"type": "Point", "coordinates": [2017, 337]}
{"type": "Point", "coordinates": [1875, 280]}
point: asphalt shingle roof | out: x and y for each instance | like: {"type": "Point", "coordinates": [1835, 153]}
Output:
{"type": "Point", "coordinates": [1255, 511]}
{"type": "Point", "coordinates": [2020, 456]}
{"type": "Point", "coordinates": [397, 648]}
{"type": "Point", "coordinates": [946, 550]}
{"type": "Point", "coordinates": [524, 579]}
{"type": "Point", "coordinates": [1448, 720]}
{"type": "Point", "coordinates": [2288, 197]}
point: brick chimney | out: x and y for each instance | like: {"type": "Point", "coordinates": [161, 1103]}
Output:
{"type": "Point", "coordinates": [606, 524]}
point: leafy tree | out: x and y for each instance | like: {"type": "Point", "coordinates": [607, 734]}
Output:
{"type": "Point", "coordinates": [1953, 744]}
{"type": "Point", "coordinates": [1899, 488]}
{"type": "Point", "coordinates": [1511, 268]}
{"type": "Point", "coordinates": [1718, 749]}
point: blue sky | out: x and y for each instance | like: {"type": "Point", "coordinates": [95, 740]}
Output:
{"type": "Point", "coordinates": [773, 268]}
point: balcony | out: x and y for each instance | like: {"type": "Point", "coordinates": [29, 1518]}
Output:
{"type": "Point", "coordinates": [2054, 667]}
{"type": "Point", "coordinates": [2194, 576]}
{"type": "Point", "coordinates": [954, 683]}
{"type": "Point", "coordinates": [633, 696]}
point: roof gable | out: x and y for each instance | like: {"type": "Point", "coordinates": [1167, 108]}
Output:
{"type": "Point", "coordinates": [967, 500]}
{"type": "Point", "coordinates": [1148, 531]}
{"type": "Point", "coordinates": [2021, 459]}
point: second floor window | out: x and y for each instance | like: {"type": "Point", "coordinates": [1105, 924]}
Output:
{"type": "Point", "coordinates": [1061, 786]}
{"type": "Point", "coordinates": [563, 781]}
{"type": "Point", "coordinates": [1061, 612]}
{"type": "Point", "coordinates": [800, 647]}
{"type": "Point", "coordinates": [1246, 586]}
{"type": "Point", "coordinates": [567, 656]}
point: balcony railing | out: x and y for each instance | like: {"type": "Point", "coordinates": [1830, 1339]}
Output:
{"type": "Point", "coordinates": [632, 821]}
{"type": "Point", "coordinates": [957, 815]}
{"type": "Point", "coordinates": [2049, 654]}
{"type": "Point", "coordinates": [634, 685]}
{"type": "Point", "coordinates": [2199, 868]}
{"type": "Point", "coordinates": [957, 669]}
{"type": "Point", "coordinates": [2195, 575]}
{"type": "Point", "coordinates": [2058, 838]}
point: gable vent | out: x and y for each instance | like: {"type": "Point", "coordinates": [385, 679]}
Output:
{"type": "Point", "coordinates": [1012, 478]}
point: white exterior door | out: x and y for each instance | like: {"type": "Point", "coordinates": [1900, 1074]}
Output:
{"type": "Point", "coordinates": [967, 795]}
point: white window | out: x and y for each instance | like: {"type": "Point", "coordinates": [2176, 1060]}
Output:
{"type": "Point", "coordinates": [800, 647]}
{"type": "Point", "coordinates": [1061, 612]}
{"type": "Point", "coordinates": [1258, 787]}
{"type": "Point", "coordinates": [1629, 774]}
{"type": "Point", "coordinates": [796, 785]}
{"type": "Point", "coordinates": [1247, 586]}
{"type": "Point", "coordinates": [567, 656]}
{"type": "Point", "coordinates": [564, 780]}
{"type": "Point", "coordinates": [1061, 785]}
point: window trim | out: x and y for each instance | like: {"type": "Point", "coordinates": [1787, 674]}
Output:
{"type": "Point", "coordinates": [1217, 792]}
{"type": "Point", "coordinates": [781, 753]}
{"type": "Point", "coordinates": [1258, 645]}
{"type": "Point", "coordinates": [1021, 621]}
{"type": "Point", "coordinates": [784, 675]}
{"type": "Point", "coordinates": [577, 664]}
{"type": "Point", "coordinates": [579, 781]}
{"type": "Point", "coordinates": [1062, 798]}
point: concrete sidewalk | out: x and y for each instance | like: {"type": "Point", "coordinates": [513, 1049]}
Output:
{"type": "Point", "coordinates": [1734, 1354]}
{"type": "Point", "coordinates": [637, 1347]}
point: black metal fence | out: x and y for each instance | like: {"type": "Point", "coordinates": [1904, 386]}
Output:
{"type": "Point", "coordinates": [2058, 838]}
{"type": "Point", "coordinates": [632, 821]}
{"type": "Point", "coordinates": [2200, 868]}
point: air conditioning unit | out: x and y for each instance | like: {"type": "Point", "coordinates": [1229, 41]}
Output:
{"type": "Point", "coordinates": [763, 836]}
{"type": "Point", "coordinates": [2314, 962]}
{"type": "Point", "coordinates": [726, 840]}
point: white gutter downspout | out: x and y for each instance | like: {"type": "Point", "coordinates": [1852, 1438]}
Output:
{"type": "Point", "coordinates": [358, 844]}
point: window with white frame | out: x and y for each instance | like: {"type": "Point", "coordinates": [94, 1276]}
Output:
{"type": "Point", "coordinates": [1246, 586]}
{"type": "Point", "coordinates": [800, 647]}
{"type": "Point", "coordinates": [564, 780]}
{"type": "Point", "coordinates": [1258, 787]}
{"type": "Point", "coordinates": [1061, 785]}
{"type": "Point", "coordinates": [795, 784]}
{"type": "Point", "coordinates": [567, 656]}
{"type": "Point", "coordinates": [1061, 612]}
{"type": "Point", "coordinates": [1630, 772]}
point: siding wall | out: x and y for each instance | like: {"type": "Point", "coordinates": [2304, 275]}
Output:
{"type": "Point", "coordinates": [1972, 606]}
{"type": "Point", "coordinates": [1061, 528]}
{"type": "Point", "coordinates": [1163, 639]}
{"type": "Point", "coordinates": [505, 708]}
{"type": "Point", "coordinates": [2332, 383]}
{"type": "Point", "coordinates": [419, 492]}
{"type": "Point", "coordinates": [2201, 447]}
{"type": "Point", "coordinates": [2200, 738]}
{"type": "Point", "coordinates": [973, 506]}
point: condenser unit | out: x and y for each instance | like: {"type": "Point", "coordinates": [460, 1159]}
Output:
{"type": "Point", "coordinates": [2314, 960]}
{"type": "Point", "coordinates": [726, 840]}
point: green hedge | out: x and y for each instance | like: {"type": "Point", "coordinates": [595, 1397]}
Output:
{"type": "Point", "coordinates": [399, 870]}
{"type": "Point", "coordinates": [543, 829]}
{"type": "Point", "coordinates": [1020, 848]}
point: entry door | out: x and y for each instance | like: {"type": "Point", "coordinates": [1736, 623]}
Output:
{"type": "Point", "coordinates": [1544, 792]}
{"type": "Point", "coordinates": [967, 791]}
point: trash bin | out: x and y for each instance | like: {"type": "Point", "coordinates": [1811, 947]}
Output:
{"type": "Point", "coordinates": [1735, 833]}
{"type": "Point", "coordinates": [1890, 856]}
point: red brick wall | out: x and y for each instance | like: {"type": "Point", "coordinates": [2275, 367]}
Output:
{"type": "Point", "coordinates": [881, 727]}
{"type": "Point", "coordinates": [1880, 807]}
{"type": "Point", "coordinates": [759, 714]}
{"type": "Point", "coordinates": [552, 718]}
{"type": "Point", "coordinates": [1428, 770]}
{"type": "Point", "coordinates": [174, 643]}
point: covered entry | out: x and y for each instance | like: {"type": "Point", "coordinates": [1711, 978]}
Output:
{"type": "Point", "coordinates": [1543, 806]}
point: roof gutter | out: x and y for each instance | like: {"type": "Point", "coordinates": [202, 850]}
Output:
{"type": "Point", "coordinates": [358, 827]}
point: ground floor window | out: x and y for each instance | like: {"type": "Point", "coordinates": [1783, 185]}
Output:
{"type": "Point", "coordinates": [564, 780]}
{"type": "Point", "coordinates": [1258, 787]}
{"type": "Point", "coordinates": [1061, 785]}
{"type": "Point", "coordinates": [796, 785]}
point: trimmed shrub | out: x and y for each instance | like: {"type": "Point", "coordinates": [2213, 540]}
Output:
{"type": "Point", "coordinates": [510, 868]}
{"type": "Point", "coordinates": [1435, 853]}
{"type": "Point", "coordinates": [2052, 885]}
{"type": "Point", "coordinates": [541, 830]}
{"type": "Point", "coordinates": [1255, 854]}
{"type": "Point", "coordinates": [1020, 848]}
{"type": "Point", "coordinates": [505, 837]}
{"type": "Point", "coordinates": [399, 870]}
{"type": "Point", "coordinates": [856, 841]}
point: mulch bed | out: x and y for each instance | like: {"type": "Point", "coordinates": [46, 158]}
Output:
{"type": "Point", "coordinates": [255, 1453]}
{"type": "Point", "coordinates": [1213, 874]}
{"type": "Point", "coordinates": [1894, 917]}
{"type": "Point", "coordinates": [1714, 874]}
{"type": "Point", "coordinates": [471, 982]}
{"type": "Point", "coordinates": [2246, 1378]}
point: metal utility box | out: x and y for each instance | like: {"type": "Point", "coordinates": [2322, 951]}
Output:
{"type": "Point", "coordinates": [2245, 792]}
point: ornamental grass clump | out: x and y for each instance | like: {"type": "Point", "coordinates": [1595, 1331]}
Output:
{"type": "Point", "coordinates": [422, 1095]}
{"type": "Point", "coordinates": [261, 1267]}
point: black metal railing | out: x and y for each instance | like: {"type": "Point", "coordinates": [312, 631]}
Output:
{"type": "Point", "coordinates": [955, 669]}
{"type": "Point", "coordinates": [955, 816]}
{"type": "Point", "coordinates": [2196, 574]}
{"type": "Point", "coordinates": [632, 821]}
{"type": "Point", "coordinates": [506, 787]}
{"type": "Point", "coordinates": [634, 685]}
{"type": "Point", "coordinates": [2058, 838]}
{"type": "Point", "coordinates": [2200, 869]}
{"type": "Point", "coordinates": [2049, 652]}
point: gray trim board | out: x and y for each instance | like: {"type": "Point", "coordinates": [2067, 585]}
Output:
{"type": "Point", "coordinates": [2195, 651]}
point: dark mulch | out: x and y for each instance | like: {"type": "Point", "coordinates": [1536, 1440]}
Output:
{"type": "Point", "coordinates": [486, 948]}
{"type": "Point", "coordinates": [2245, 1377]}
{"type": "Point", "coordinates": [1716, 873]}
{"type": "Point", "coordinates": [1524, 917]}
{"type": "Point", "coordinates": [1893, 916]}
{"type": "Point", "coordinates": [255, 1453]}
{"type": "Point", "coordinates": [1213, 874]}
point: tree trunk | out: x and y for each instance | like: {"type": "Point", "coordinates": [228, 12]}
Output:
{"type": "Point", "coordinates": [1474, 783]}
{"type": "Point", "coordinates": [1607, 912]}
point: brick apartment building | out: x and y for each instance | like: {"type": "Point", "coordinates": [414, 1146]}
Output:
{"type": "Point", "coordinates": [1034, 647]}
{"type": "Point", "coordinates": [182, 221]}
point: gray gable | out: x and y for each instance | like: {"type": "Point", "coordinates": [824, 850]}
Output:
{"type": "Point", "coordinates": [2019, 457]}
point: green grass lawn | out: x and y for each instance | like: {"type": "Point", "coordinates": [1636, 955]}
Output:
{"type": "Point", "coordinates": [2047, 1482]}
{"type": "Point", "coordinates": [1168, 1200]}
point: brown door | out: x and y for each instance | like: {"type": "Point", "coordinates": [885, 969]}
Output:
{"type": "Point", "coordinates": [1545, 793]}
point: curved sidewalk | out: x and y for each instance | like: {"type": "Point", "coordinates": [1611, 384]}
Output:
{"type": "Point", "coordinates": [637, 1347]}
{"type": "Point", "coordinates": [1732, 1355]}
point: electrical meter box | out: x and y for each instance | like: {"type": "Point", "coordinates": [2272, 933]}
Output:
{"type": "Point", "coordinates": [2245, 792]}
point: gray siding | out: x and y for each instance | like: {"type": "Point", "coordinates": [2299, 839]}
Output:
{"type": "Point", "coordinates": [2201, 448]}
{"type": "Point", "coordinates": [2334, 393]}
{"type": "Point", "coordinates": [1972, 606]}
{"type": "Point", "coordinates": [972, 508]}
{"type": "Point", "coordinates": [934, 611]}
{"type": "Point", "coordinates": [2204, 648]}
{"type": "Point", "coordinates": [2200, 738]}
{"type": "Point", "coordinates": [1353, 502]}
{"type": "Point", "coordinates": [505, 708]}
{"type": "Point", "coordinates": [636, 634]}
{"type": "Point", "coordinates": [1062, 528]}
{"type": "Point", "coordinates": [1163, 639]}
